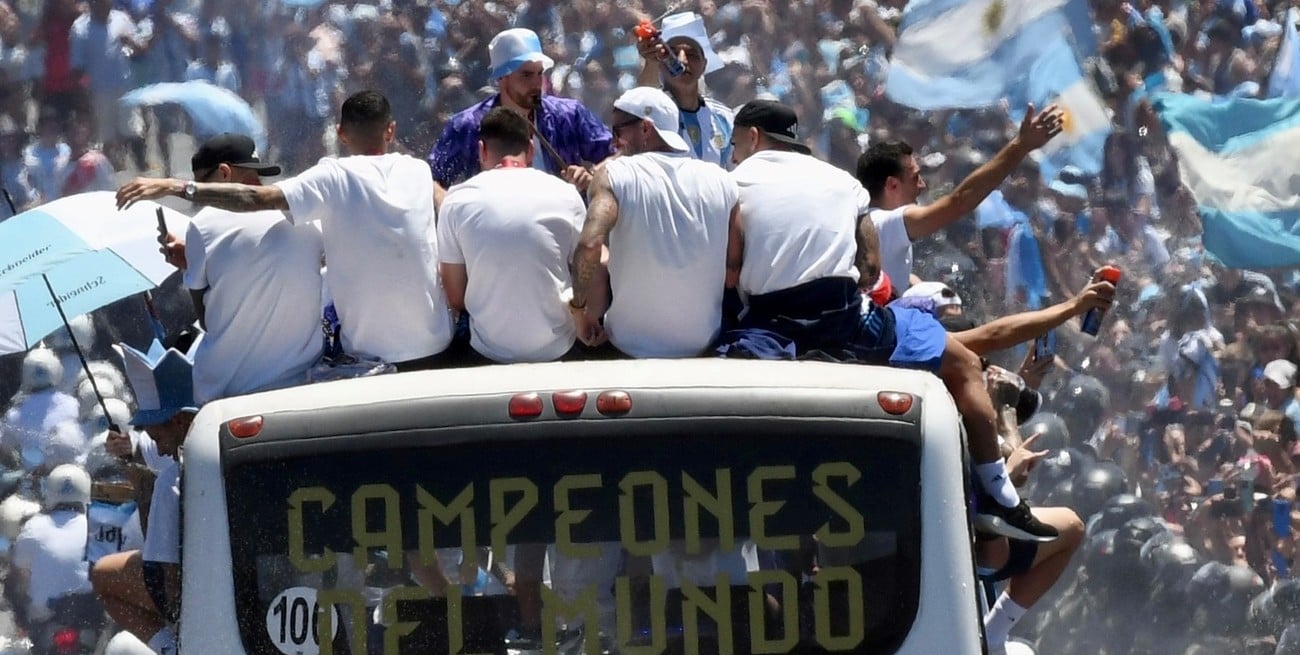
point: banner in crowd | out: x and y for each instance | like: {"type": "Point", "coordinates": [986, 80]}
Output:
{"type": "Point", "coordinates": [1232, 156]}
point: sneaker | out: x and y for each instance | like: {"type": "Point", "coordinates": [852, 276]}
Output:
{"type": "Point", "coordinates": [1013, 522]}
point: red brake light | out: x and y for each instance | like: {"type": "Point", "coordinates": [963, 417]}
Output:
{"type": "Point", "coordinates": [569, 403]}
{"type": "Point", "coordinates": [245, 428]}
{"type": "Point", "coordinates": [895, 402]}
{"type": "Point", "coordinates": [612, 403]}
{"type": "Point", "coordinates": [525, 405]}
{"type": "Point", "coordinates": [65, 641]}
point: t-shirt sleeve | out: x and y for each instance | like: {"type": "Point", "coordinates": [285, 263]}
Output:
{"type": "Point", "coordinates": [196, 259]}
{"type": "Point", "coordinates": [162, 539]}
{"type": "Point", "coordinates": [449, 251]}
{"type": "Point", "coordinates": [311, 193]}
{"type": "Point", "coordinates": [862, 197]}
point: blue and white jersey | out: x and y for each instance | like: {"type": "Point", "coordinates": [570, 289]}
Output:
{"type": "Point", "coordinates": [708, 131]}
{"type": "Point", "coordinates": [112, 528]}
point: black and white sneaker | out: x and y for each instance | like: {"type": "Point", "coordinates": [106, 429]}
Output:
{"type": "Point", "coordinates": [1012, 522]}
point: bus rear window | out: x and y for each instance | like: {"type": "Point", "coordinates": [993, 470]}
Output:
{"type": "Point", "coordinates": [724, 537]}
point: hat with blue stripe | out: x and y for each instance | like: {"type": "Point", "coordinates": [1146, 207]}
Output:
{"type": "Point", "coordinates": [513, 48]}
{"type": "Point", "coordinates": [162, 379]}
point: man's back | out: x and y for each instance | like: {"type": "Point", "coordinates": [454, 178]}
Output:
{"type": "Point", "coordinates": [52, 548]}
{"type": "Point", "coordinates": [377, 217]}
{"type": "Point", "coordinates": [517, 257]}
{"type": "Point", "coordinates": [262, 308]}
{"type": "Point", "coordinates": [668, 251]}
{"type": "Point", "coordinates": [800, 218]}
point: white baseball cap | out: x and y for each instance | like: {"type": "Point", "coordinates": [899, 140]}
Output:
{"type": "Point", "coordinates": [1280, 372]}
{"type": "Point", "coordinates": [937, 292]}
{"type": "Point", "coordinates": [655, 106]}
{"type": "Point", "coordinates": [513, 48]}
{"type": "Point", "coordinates": [690, 25]}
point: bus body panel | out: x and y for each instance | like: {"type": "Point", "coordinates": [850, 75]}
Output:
{"type": "Point", "coordinates": [947, 619]}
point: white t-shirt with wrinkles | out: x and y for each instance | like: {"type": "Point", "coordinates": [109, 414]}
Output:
{"type": "Point", "coordinates": [895, 246]}
{"type": "Point", "coordinates": [162, 539]}
{"type": "Point", "coordinates": [262, 306]}
{"type": "Point", "coordinates": [377, 216]}
{"type": "Point", "coordinates": [516, 254]}
{"type": "Point", "coordinates": [800, 220]}
{"type": "Point", "coordinates": [667, 253]}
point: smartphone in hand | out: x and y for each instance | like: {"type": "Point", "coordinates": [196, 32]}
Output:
{"type": "Point", "coordinates": [1045, 346]}
{"type": "Point", "coordinates": [162, 227]}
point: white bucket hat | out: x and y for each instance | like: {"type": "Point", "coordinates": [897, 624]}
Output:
{"type": "Point", "coordinates": [513, 48]}
{"type": "Point", "coordinates": [655, 106]}
{"type": "Point", "coordinates": [690, 25]}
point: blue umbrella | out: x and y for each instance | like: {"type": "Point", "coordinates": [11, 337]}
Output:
{"type": "Point", "coordinates": [212, 109]}
{"type": "Point", "coordinates": [81, 252]}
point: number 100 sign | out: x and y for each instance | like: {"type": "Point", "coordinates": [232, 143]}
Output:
{"type": "Point", "coordinates": [291, 622]}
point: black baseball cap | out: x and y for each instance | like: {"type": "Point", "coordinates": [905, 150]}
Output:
{"type": "Point", "coordinates": [234, 150]}
{"type": "Point", "coordinates": [774, 119]}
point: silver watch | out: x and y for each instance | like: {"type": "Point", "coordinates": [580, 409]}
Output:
{"type": "Point", "coordinates": [190, 189]}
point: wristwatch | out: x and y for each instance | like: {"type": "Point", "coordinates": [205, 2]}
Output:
{"type": "Point", "coordinates": [190, 189]}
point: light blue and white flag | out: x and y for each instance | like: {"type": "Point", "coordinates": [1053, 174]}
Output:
{"type": "Point", "coordinates": [1057, 77]}
{"type": "Point", "coordinates": [1233, 156]}
{"type": "Point", "coordinates": [1285, 78]}
{"type": "Point", "coordinates": [970, 53]}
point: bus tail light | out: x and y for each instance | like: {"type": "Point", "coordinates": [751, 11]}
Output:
{"type": "Point", "coordinates": [245, 428]}
{"type": "Point", "coordinates": [569, 403]}
{"type": "Point", "coordinates": [525, 405]}
{"type": "Point", "coordinates": [613, 403]}
{"type": "Point", "coordinates": [895, 402]}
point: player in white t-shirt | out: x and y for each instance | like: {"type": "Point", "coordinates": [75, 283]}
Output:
{"type": "Point", "coordinates": [802, 231]}
{"type": "Point", "coordinates": [505, 240]}
{"type": "Point", "coordinates": [377, 218]}
{"type": "Point", "coordinates": [890, 173]}
{"type": "Point", "coordinates": [255, 280]}
{"type": "Point", "coordinates": [665, 219]}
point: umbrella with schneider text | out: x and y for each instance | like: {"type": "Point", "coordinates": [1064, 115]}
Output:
{"type": "Point", "coordinates": [73, 256]}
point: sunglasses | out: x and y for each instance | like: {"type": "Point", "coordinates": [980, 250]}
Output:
{"type": "Point", "coordinates": [625, 124]}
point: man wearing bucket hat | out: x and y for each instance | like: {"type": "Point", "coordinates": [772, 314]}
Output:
{"type": "Point", "coordinates": [140, 589]}
{"type": "Point", "coordinates": [705, 123]}
{"type": "Point", "coordinates": [567, 137]}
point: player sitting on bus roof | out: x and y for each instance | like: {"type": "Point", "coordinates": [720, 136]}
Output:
{"type": "Point", "coordinates": [141, 589]}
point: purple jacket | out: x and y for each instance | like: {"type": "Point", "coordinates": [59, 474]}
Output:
{"type": "Point", "coordinates": [575, 132]}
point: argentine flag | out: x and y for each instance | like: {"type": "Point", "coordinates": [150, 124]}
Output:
{"type": "Point", "coordinates": [976, 53]}
{"type": "Point", "coordinates": [1233, 156]}
{"type": "Point", "coordinates": [970, 53]}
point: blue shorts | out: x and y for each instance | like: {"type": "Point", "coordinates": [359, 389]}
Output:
{"type": "Point", "coordinates": [901, 336]}
{"type": "Point", "coordinates": [1020, 558]}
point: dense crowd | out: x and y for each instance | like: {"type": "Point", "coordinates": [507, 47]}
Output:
{"type": "Point", "coordinates": [1172, 434]}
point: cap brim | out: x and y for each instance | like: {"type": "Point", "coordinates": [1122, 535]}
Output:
{"type": "Point", "coordinates": [263, 169]}
{"type": "Point", "coordinates": [795, 144]}
{"type": "Point", "coordinates": [673, 140]}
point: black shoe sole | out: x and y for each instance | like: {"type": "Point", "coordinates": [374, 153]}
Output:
{"type": "Point", "coordinates": [993, 524]}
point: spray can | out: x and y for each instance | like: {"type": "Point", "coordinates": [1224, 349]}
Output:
{"type": "Point", "coordinates": [646, 31]}
{"type": "Point", "coordinates": [1092, 320]}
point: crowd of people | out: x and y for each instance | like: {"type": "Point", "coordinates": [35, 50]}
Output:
{"type": "Point", "coordinates": [1171, 450]}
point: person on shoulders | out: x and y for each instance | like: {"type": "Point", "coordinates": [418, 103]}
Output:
{"type": "Point", "coordinates": [376, 211]}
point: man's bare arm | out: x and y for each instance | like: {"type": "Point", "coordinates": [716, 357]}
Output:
{"type": "Point", "coordinates": [1035, 130]}
{"type": "Point", "coordinates": [1011, 330]}
{"type": "Point", "coordinates": [868, 257]}
{"type": "Point", "coordinates": [455, 279]}
{"type": "Point", "coordinates": [735, 248]}
{"type": "Point", "coordinates": [602, 214]}
{"type": "Point", "coordinates": [231, 197]}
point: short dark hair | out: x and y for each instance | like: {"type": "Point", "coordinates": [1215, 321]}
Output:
{"type": "Point", "coordinates": [880, 162]}
{"type": "Point", "coordinates": [367, 110]}
{"type": "Point", "coordinates": [505, 132]}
